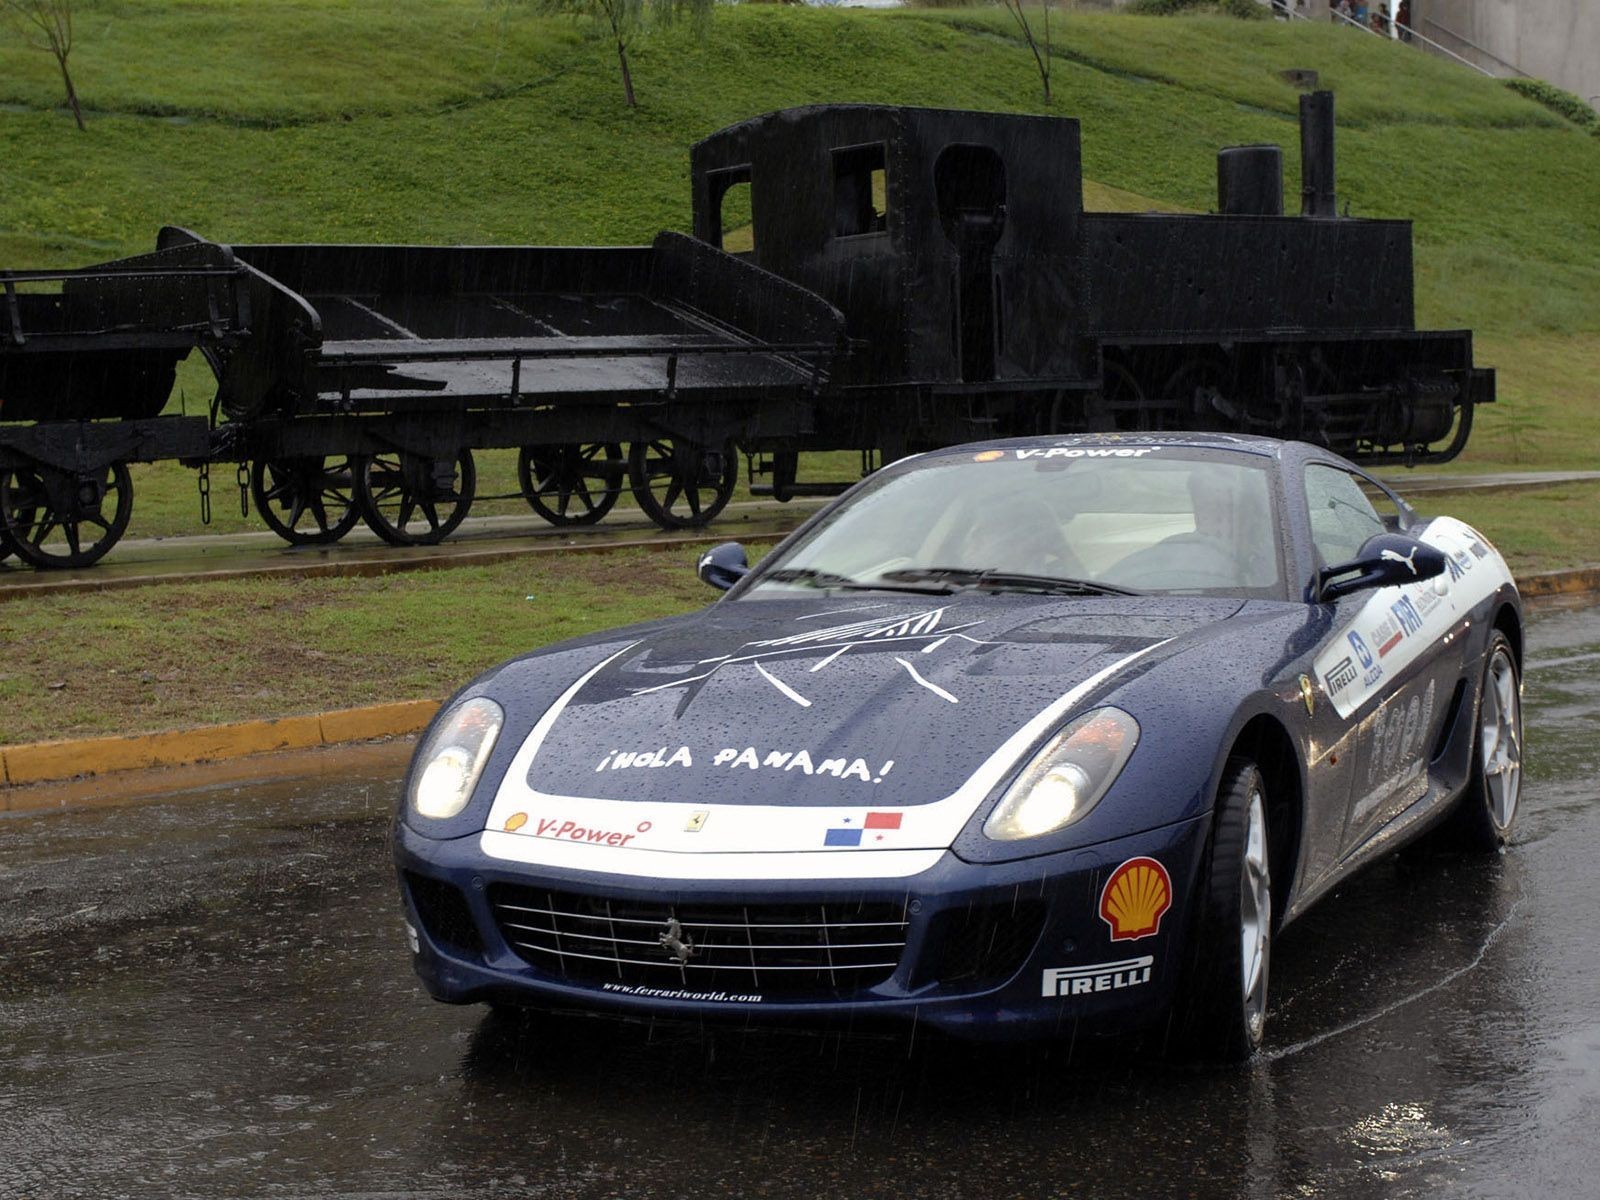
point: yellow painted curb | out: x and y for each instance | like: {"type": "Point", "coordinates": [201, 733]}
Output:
{"type": "Point", "coordinates": [376, 721]}
{"type": "Point", "coordinates": [44, 762]}
{"type": "Point", "coordinates": [1548, 584]}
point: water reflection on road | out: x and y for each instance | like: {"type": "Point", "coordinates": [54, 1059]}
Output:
{"type": "Point", "coordinates": [211, 997]}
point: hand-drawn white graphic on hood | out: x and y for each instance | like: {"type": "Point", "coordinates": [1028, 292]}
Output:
{"type": "Point", "coordinates": [833, 641]}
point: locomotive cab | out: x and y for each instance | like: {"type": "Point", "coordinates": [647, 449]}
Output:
{"type": "Point", "coordinates": [948, 239]}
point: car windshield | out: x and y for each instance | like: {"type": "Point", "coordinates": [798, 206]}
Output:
{"type": "Point", "coordinates": [1072, 520]}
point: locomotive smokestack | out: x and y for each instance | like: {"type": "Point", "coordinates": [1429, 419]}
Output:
{"type": "Point", "coordinates": [1317, 197]}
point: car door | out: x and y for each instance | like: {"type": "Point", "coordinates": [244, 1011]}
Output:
{"type": "Point", "coordinates": [1391, 689]}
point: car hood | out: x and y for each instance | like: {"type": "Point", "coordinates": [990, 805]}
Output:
{"type": "Point", "coordinates": [879, 703]}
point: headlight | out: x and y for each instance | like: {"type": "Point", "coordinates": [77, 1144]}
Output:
{"type": "Point", "coordinates": [450, 761]}
{"type": "Point", "coordinates": [1067, 777]}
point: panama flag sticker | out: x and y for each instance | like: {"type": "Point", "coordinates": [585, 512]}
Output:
{"type": "Point", "coordinates": [872, 827]}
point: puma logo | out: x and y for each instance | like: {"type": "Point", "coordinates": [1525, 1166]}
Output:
{"type": "Point", "coordinates": [1392, 556]}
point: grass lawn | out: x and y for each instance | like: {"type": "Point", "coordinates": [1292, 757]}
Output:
{"type": "Point", "coordinates": [171, 656]}
{"type": "Point", "coordinates": [459, 121]}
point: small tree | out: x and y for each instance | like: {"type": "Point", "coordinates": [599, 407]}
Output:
{"type": "Point", "coordinates": [47, 25]}
{"type": "Point", "coordinates": [1042, 60]}
{"type": "Point", "coordinates": [622, 21]}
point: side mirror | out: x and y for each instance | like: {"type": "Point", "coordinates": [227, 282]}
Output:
{"type": "Point", "coordinates": [1386, 560]}
{"type": "Point", "coordinates": [723, 566]}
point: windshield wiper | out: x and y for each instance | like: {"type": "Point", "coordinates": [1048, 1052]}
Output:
{"type": "Point", "coordinates": [822, 579]}
{"type": "Point", "coordinates": [994, 579]}
{"type": "Point", "coordinates": [827, 579]}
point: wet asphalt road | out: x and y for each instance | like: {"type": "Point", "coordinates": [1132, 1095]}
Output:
{"type": "Point", "coordinates": [210, 996]}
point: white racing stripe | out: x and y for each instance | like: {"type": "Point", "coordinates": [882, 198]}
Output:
{"type": "Point", "coordinates": [1398, 625]}
{"type": "Point", "coordinates": [746, 841]}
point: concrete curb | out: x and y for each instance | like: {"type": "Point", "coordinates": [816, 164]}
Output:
{"type": "Point", "coordinates": [51, 762]}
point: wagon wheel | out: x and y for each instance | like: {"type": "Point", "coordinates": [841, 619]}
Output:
{"type": "Point", "coordinates": [572, 484]}
{"type": "Point", "coordinates": [306, 501]}
{"type": "Point", "coordinates": [413, 499]}
{"type": "Point", "coordinates": [6, 548]}
{"type": "Point", "coordinates": [1205, 392]}
{"type": "Point", "coordinates": [681, 484]}
{"type": "Point", "coordinates": [57, 518]}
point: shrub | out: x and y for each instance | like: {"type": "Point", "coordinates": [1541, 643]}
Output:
{"type": "Point", "coordinates": [1245, 10]}
{"type": "Point", "coordinates": [1558, 100]}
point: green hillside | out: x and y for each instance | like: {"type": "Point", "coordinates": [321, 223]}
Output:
{"type": "Point", "coordinates": [474, 121]}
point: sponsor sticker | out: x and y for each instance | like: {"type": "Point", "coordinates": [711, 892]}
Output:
{"type": "Point", "coordinates": [628, 989]}
{"type": "Point", "coordinates": [1340, 677]}
{"type": "Point", "coordinates": [1135, 898]}
{"type": "Point", "coordinates": [1359, 645]}
{"type": "Point", "coordinates": [1086, 452]}
{"type": "Point", "coordinates": [559, 830]}
{"type": "Point", "coordinates": [1098, 977]}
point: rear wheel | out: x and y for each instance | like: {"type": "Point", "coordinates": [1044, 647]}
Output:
{"type": "Point", "coordinates": [57, 518]}
{"type": "Point", "coordinates": [1488, 810]}
{"type": "Point", "coordinates": [1222, 1002]}
{"type": "Point", "coordinates": [414, 499]}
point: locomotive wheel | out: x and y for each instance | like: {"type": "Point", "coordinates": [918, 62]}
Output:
{"type": "Point", "coordinates": [6, 548]}
{"type": "Point", "coordinates": [572, 484]}
{"type": "Point", "coordinates": [413, 499]}
{"type": "Point", "coordinates": [306, 501]}
{"type": "Point", "coordinates": [57, 518]}
{"type": "Point", "coordinates": [681, 484]}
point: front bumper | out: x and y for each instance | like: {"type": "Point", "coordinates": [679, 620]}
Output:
{"type": "Point", "coordinates": [987, 946]}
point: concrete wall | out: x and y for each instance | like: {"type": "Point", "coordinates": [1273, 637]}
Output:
{"type": "Point", "coordinates": [1555, 40]}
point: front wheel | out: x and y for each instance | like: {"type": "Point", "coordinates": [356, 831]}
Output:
{"type": "Point", "coordinates": [1222, 1003]}
{"type": "Point", "coordinates": [1488, 810]}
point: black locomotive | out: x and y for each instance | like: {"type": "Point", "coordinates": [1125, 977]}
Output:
{"type": "Point", "coordinates": [864, 278]}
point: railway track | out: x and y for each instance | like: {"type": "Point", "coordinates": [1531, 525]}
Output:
{"type": "Point", "coordinates": [139, 562]}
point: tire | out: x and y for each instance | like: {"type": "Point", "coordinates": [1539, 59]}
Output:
{"type": "Point", "coordinates": [1487, 811]}
{"type": "Point", "coordinates": [1220, 1013]}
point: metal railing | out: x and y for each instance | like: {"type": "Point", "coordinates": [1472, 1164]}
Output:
{"type": "Point", "coordinates": [1415, 35]}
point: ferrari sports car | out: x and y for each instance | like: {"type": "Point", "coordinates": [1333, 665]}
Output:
{"type": "Point", "coordinates": [1011, 739]}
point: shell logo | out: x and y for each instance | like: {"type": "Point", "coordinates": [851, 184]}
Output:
{"type": "Point", "coordinates": [1135, 898]}
{"type": "Point", "coordinates": [988, 455]}
{"type": "Point", "coordinates": [516, 821]}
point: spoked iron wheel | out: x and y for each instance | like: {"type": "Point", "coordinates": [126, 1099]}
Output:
{"type": "Point", "coordinates": [57, 518]}
{"type": "Point", "coordinates": [415, 500]}
{"type": "Point", "coordinates": [572, 484]}
{"type": "Point", "coordinates": [307, 501]}
{"type": "Point", "coordinates": [681, 484]}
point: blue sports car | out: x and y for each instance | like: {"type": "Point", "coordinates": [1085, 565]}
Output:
{"type": "Point", "coordinates": [1012, 736]}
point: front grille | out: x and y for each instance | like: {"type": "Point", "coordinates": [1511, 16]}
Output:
{"type": "Point", "coordinates": [795, 951]}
